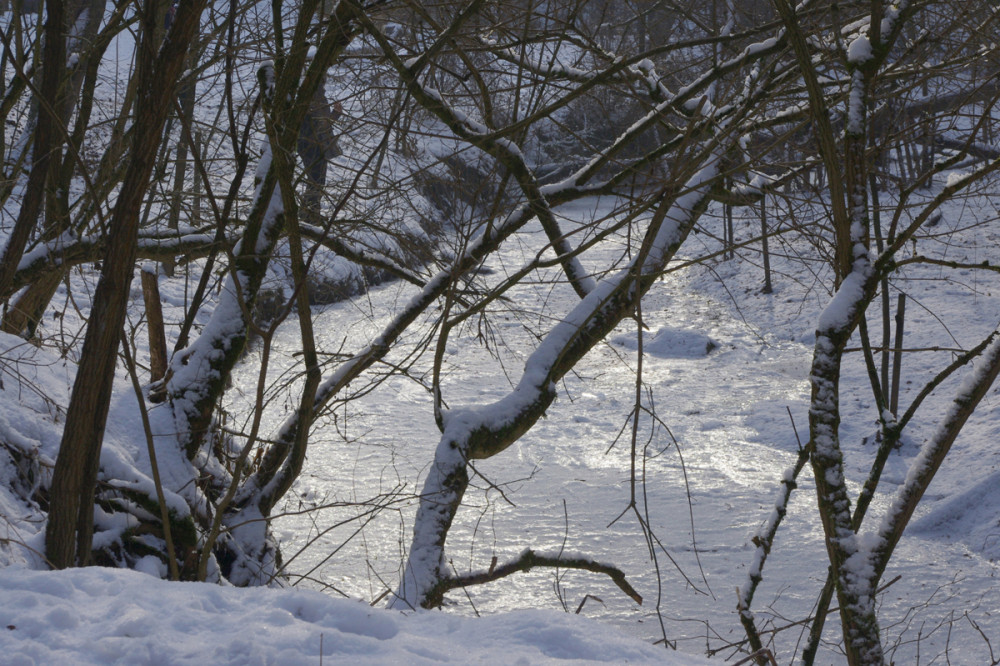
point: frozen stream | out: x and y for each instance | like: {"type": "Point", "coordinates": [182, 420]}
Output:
{"type": "Point", "coordinates": [722, 386]}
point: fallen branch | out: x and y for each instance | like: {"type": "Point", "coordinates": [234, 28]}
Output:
{"type": "Point", "coordinates": [528, 560]}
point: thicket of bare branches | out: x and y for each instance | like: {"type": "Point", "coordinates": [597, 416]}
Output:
{"type": "Point", "coordinates": [468, 122]}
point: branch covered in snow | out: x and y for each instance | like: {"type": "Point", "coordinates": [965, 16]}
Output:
{"type": "Point", "coordinates": [484, 431]}
{"type": "Point", "coordinates": [932, 455]}
{"type": "Point", "coordinates": [764, 541]}
{"type": "Point", "coordinates": [71, 250]}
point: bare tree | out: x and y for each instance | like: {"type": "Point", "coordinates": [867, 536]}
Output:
{"type": "Point", "coordinates": [670, 108]}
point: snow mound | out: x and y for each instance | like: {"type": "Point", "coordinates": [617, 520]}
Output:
{"type": "Point", "coordinates": [669, 343]}
{"type": "Point", "coordinates": [970, 516]}
{"type": "Point", "coordinates": [107, 616]}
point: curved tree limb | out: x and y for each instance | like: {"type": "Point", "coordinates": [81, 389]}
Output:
{"type": "Point", "coordinates": [485, 431]}
{"type": "Point", "coordinates": [527, 561]}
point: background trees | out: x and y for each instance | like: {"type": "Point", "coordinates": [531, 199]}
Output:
{"type": "Point", "coordinates": [466, 124]}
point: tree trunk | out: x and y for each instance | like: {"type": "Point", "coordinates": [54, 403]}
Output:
{"type": "Point", "coordinates": [69, 533]}
{"type": "Point", "coordinates": [154, 323]}
{"type": "Point", "coordinates": [45, 141]}
{"type": "Point", "coordinates": [23, 317]}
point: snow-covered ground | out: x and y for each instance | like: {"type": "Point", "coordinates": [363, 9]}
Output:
{"type": "Point", "coordinates": [725, 368]}
{"type": "Point", "coordinates": [115, 616]}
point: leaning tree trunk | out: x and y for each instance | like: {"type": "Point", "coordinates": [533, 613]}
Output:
{"type": "Point", "coordinates": [487, 431]}
{"type": "Point", "coordinates": [193, 391]}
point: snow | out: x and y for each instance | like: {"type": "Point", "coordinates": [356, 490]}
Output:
{"type": "Point", "coordinates": [727, 410]}
{"type": "Point", "coordinates": [856, 111]}
{"type": "Point", "coordinates": [844, 304]}
{"type": "Point", "coordinates": [859, 50]}
{"type": "Point", "coordinates": [722, 363]}
{"type": "Point", "coordinates": [669, 343]}
{"type": "Point", "coordinates": [113, 616]}
{"type": "Point", "coordinates": [955, 178]}
{"type": "Point", "coordinates": [891, 17]}
{"type": "Point", "coordinates": [760, 47]}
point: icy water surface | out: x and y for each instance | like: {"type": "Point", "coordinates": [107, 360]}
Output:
{"type": "Point", "coordinates": [725, 394]}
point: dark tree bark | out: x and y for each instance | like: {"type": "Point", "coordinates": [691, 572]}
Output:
{"type": "Point", "coordinates": [69, 533]}
{"type": "Point", "coordinates": [45, 141]}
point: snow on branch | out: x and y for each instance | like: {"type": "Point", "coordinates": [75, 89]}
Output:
{"type": "Point", "coordinates": [196, 373]}
{"type": "Point", "coordinates": [764, 540]}
{"type": "Point", "coordinates": [483, 431]}
{"type": "Point", "coordinates": [359, 255]}
{"type": "Point", "coordinates": [745, 193]}
{"type": "Point", "coordinates": [973, 389]}
{"type": "Point", "coordinates": [849, 558]}
{"type": "Point", "coordinates": [70, 250]}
